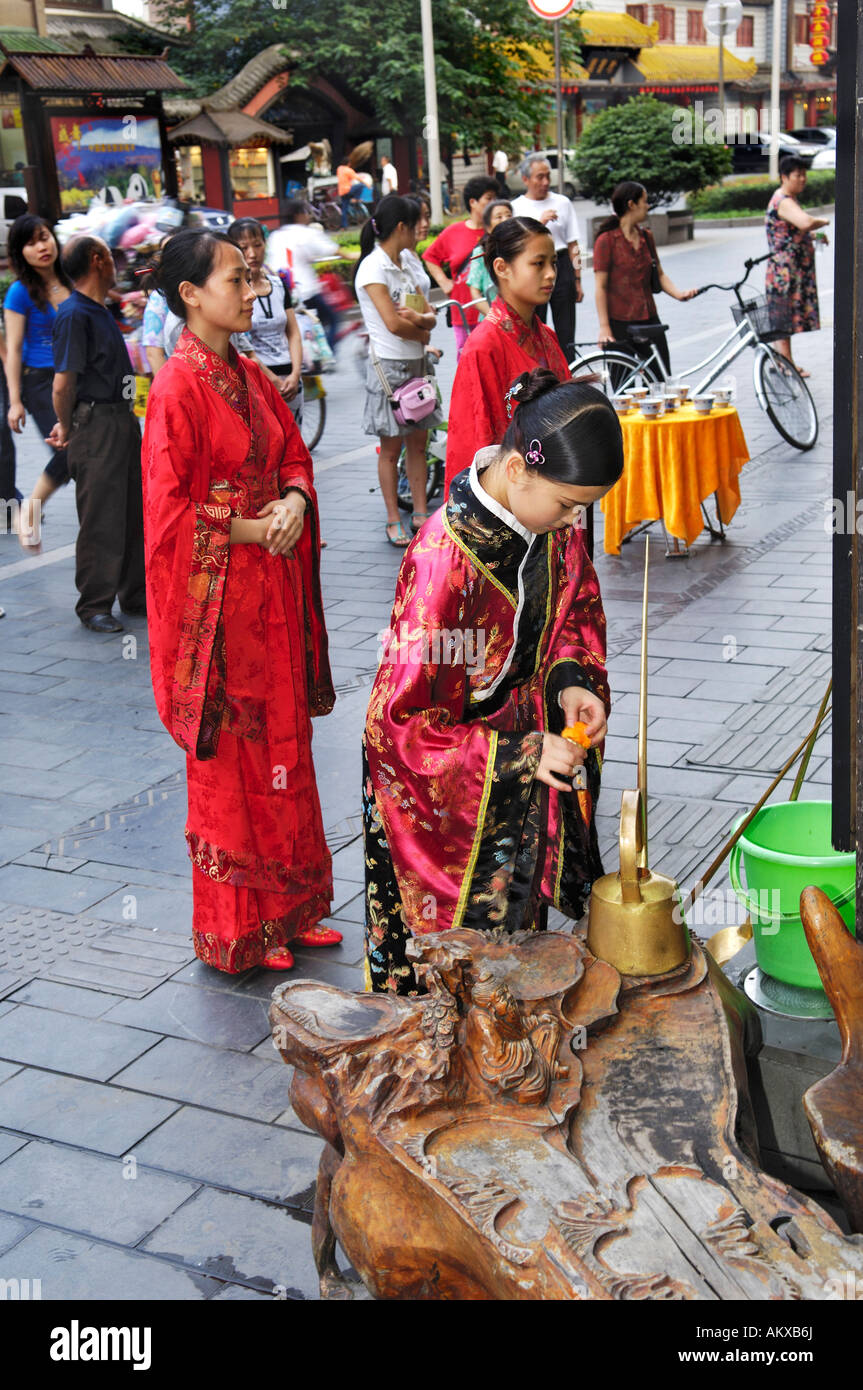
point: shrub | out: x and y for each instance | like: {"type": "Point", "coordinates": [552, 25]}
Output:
{"type": "Point", "coordinates": [634, 141]}
{"type": "Point", "coordinates": [752, 195]}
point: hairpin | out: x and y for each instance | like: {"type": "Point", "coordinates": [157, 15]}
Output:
{"type": "Point", "coordinates": [509, 400]}
{"type": "Point", "coordinates": [534, 455]}
{"type": "Point", "coordinates": [375, 227]}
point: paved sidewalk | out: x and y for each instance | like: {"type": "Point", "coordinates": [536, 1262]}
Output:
{"type": "Point", "coordinates": [147, 1147]}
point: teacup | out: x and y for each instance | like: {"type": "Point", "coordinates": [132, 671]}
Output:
{"type": "Point", "coordinates": [722, 395]}
{"type": "Point", "coordinates": [622, 404]}
{"type": "Point", "coordinates": [703, 404]}
{"type": "Point", "coordinates": [683, 391]}
{"type": "Point", "coordinates": [639, 393]}
{"type": "Point", "coordinates": [672, 400]}
{"type": "Point", "coordinates": [653, 407]}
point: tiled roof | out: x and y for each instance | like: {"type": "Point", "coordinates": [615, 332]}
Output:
{"type": "Point", "coordinates": [90, 72]}
{"type": "Point", "coordinates": [602, 30]}
{"type": "Point", "coordinates": [28, 41]}
{"type": "Point", "coordinates": [691, 63]}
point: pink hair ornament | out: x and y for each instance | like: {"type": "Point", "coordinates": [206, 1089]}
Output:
{"type": "Point", "coordinates": [534, 455]}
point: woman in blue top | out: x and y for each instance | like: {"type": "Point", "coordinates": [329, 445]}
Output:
{"type": "Point", "coordinates": [29, 310]}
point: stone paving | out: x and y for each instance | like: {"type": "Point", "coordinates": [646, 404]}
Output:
{"type": "Point", "coordinates": [147, 1145]}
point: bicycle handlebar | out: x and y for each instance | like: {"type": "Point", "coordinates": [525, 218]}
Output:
{"type": "Point", "coordinates": [753, 261]}
{"type": "Point", "coordinates": [450, 303]}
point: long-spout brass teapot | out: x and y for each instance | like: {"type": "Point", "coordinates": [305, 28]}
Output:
{"type": "Point", "coordinates": [635, 921]}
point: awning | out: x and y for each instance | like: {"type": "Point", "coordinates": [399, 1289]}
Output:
{"type": "Point", "coordinates": [228, 129]}
{"type": "Point", "coordinates": [115, 73]}
{"type": "Point", "coordinates": [696, 63]}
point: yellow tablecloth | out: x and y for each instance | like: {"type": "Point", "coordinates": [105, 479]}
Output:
{"type": "Point", "coordinates": [669, 467]}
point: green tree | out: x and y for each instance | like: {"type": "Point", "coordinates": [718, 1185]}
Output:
{"type": "Point", "coordinates": [493, 58]}
{"type": "Point", "coordinates": [636, 140]}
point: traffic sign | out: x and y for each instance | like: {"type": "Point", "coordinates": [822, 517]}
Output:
{"type": "Point", "coordinates": [722, 19]}
{"type": "Point", "coordinates": [551, 9]}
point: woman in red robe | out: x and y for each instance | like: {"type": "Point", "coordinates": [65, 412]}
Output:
{"type": "Point", "coordinates": [238, 647]}
{"type": "Point", "coordinates": [521, 259]}
{"type": "Point", "coordinates": [496, 644]}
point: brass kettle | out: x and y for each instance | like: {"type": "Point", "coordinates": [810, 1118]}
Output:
{"type": "Point", "coordinates": [635, 923]}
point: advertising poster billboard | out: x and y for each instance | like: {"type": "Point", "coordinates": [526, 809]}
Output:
{"type": "Point", "coordinates": [109, 157]}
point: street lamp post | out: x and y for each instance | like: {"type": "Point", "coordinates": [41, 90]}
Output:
{"type": "Point", "coordinates": [721, 17]}
{"type": "Point", "coordinates": [431, 124]}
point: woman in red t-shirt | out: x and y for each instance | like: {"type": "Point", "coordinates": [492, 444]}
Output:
{"type": "Point", "coordinates": [623, 257]}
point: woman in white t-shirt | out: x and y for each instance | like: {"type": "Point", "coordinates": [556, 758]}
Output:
{"type": "Point", "coordinates": [398, 319]}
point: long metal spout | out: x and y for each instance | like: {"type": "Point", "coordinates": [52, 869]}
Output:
{"type": "Point", "coordinates": [642, 718]}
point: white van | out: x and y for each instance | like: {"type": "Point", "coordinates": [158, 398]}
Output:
{"type": "Point", "coordinates": [13, 201]}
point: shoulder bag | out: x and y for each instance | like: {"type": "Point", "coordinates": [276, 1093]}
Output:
{"type": "Point", "coordinates": [413, 400]}
{"type": "Point", "coordinates": [655, 285]}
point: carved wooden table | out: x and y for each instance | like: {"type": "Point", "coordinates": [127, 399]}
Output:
{"type": "Point", "coordinates": [537, 1126]}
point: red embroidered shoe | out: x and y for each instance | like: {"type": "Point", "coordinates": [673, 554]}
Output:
{"type": "Point", "coordinates": [279, 958]}
{"type": "Point", "coordinates": [318, 936]}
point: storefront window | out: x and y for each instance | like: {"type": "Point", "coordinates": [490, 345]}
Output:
{"type": "Point", "coordinates": [251, 173]}
{"type": "Point", "coordinates": [190, 174]}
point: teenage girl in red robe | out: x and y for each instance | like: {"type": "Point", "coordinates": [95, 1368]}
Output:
{"type": "Point", "coordinates": [496, 644]}
{"type": "Point", "coordinates": [238, 647]}
{"type": "Point", "coordinates": [521, 259]}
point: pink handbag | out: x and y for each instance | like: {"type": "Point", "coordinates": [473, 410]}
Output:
{"type": "Point", "coordinates": [413, 400]}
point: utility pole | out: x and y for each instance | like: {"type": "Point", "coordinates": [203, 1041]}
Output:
{"type": "Point", "coordinates": [558, 101]}
{"type": "Point", "coordinates": [776, 60]}
{"type": "Point", "coordinates": [722, 63]}
{"type": "Point", "coordinates": [431, 132]}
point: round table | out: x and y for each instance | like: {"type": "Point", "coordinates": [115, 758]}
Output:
{"type": "Point", "coordinates": [670, 466]}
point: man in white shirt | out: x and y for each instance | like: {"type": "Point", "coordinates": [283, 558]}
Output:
{"type": "Point", "coordinates": [298, 246]}
{"type": "Point", "coordinates": [389, 177]}
{"type": "Point", "coordinates": [557, 213]}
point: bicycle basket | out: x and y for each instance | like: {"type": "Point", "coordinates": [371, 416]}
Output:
{"type": "Point", "coordinates": [770, 319]}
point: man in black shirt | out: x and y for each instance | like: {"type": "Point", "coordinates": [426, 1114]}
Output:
{"type": "Point", "coordinates": [94, 389]}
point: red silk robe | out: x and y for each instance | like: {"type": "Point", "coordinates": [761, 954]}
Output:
{"type": "Point", "coordinates": [238, 650]}
{"type": "Point", "coordinates": [490, 624]}
{"type": "Point", "coordinates": [499, 350]}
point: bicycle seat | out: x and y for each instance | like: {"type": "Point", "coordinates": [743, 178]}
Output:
{"type": "Point", "coordinates": [645, 333]}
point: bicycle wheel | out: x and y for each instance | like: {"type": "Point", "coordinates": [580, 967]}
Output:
{"type": "Point", "coordinates": [314, 411]}
{"type": "Point", "coordinates": [331, 217]}
{"type": "Point", "coordinates": [435, 456]}
{"type": "Point", "coordinates": [617, 371]}
{"type": "Point", "coordinates": [784, 395]}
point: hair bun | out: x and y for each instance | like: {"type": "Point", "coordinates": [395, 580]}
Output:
{"type": "Point", "coordinates": [533, 384]}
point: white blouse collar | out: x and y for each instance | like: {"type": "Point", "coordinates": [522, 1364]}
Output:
{"type": "Point", "coordinates": [481, 461]}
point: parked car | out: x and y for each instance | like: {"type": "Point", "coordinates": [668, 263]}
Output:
{"type": "Point", "coordinates": [825, 159]}
{"type": "Point", "coordinates": [751, 155]}
{"type": "Point", "coordinates": [570, 183]}
{"type": "Point", "coordinates": [214, 219]}
{"type": "Point", "coordinates": [13, 202]}
{"type": "Point", "coordinates": [824, 135]}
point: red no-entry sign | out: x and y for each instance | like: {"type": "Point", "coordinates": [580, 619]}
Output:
{"type": "Point", "coordinates": [551, 9]}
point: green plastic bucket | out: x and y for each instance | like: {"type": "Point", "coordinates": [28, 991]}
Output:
{"type": "Point", "coordinates": [784, 849]}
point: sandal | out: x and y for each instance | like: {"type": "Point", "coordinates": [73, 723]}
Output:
{"type": "Point", "coordinates": [279, 958]}
{"type": "Point", "coordinates": [318, 936]}
{"type": "Point", "coordinates": [423, 518]}
{"type": "Point", "coordinates": [402, 541]}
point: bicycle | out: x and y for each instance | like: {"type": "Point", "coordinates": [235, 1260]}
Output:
{"type": "Point", "coordinates": [314, 409]}
{"type": "Point", "coordinates": [436, 440]}
{"type": "Point", "coordinates": [780, 390]}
